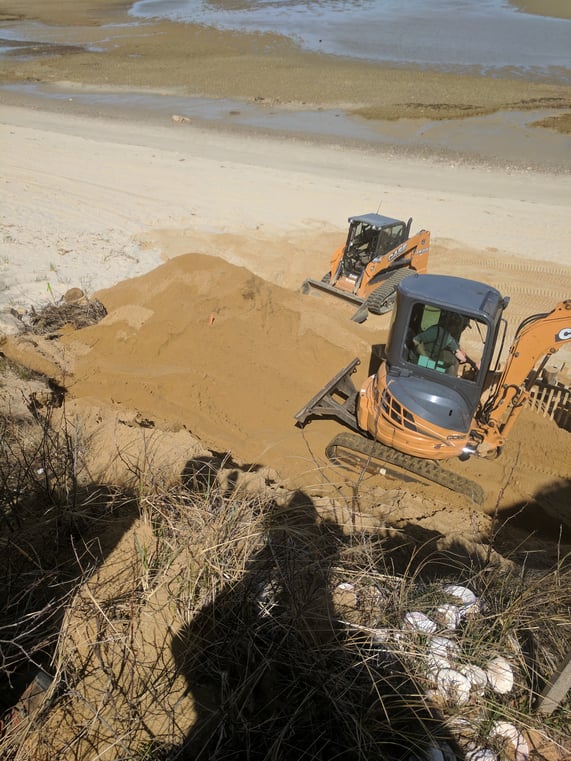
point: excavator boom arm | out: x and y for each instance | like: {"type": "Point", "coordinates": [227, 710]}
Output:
{"type": "Point", "coordinates": [539, 336]}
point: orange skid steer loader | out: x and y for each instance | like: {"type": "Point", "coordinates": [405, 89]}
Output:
{"type": "Point", "coordinates": [376, 256]}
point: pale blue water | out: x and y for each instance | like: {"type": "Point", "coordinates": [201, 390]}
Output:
{"type": "Point", "coordinates": [486, 35]}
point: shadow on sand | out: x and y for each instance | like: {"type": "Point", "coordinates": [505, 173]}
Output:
{"type": "Point", "coordinates": [273, 672]}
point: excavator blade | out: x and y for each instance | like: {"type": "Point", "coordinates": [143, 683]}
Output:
{"type": "Point", "coordinates": [356, 452]}
{"type": "Point", "coordinates": [337, 399]}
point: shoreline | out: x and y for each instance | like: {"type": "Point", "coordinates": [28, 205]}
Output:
{"type": "Point", "coordinates": [96, 43]}
{"type": "Point", "coordinates": [91, 11]}
{"type": "Point", "coordinates": [538, 154]}
{"type": "Point", "coordinates": [229, 82]}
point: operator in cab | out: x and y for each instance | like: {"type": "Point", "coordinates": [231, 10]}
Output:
{"type": "Point", "coordinates": [440, 344]}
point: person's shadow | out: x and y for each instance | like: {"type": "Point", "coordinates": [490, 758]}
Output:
{"type": "Point", "coordinates": [253, 658]}
{"type": "Point", "coordinates": [274, 675]}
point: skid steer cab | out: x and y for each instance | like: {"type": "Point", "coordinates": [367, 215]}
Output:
{"type": "Point", "coordinates": [378, 254]}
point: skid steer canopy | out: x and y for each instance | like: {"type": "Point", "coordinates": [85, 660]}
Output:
{"type": "Point", "coordinates": [378, 253]}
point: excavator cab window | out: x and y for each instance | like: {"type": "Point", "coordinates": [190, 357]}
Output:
{"type": "Point", "coordinates": [436, 340]}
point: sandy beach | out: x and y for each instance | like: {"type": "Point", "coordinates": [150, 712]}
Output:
{"type": "Point", "coordinates": [93, 197]}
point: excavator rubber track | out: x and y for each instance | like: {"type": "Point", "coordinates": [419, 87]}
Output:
{"type": "Point", "coordinates": [356, 452]}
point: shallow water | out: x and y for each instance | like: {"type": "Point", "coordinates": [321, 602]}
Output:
{"type": "Point", "coordinates": [506, 137]}
{"type": "Point", "coordinates": [451, 35]}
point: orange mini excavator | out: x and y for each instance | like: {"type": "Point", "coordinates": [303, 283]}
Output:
{"type": "Point", "coordinates": [378, 253]}
{"type": "Point", "coordinates": [440, 391]}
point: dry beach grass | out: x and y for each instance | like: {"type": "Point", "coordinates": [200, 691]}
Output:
{"type": "Point", "coordinates": [225, 617]}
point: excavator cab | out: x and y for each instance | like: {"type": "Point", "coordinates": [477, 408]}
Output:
{"type": "Point", "coordinates": [440, 347]}
{"type": "Point", "coordinates": [443, 389]}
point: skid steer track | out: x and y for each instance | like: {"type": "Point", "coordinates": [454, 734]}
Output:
{"type": "Point", "coordinates": [354, 451]}
{"type": "Point", "coordinates": [382, 299]}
